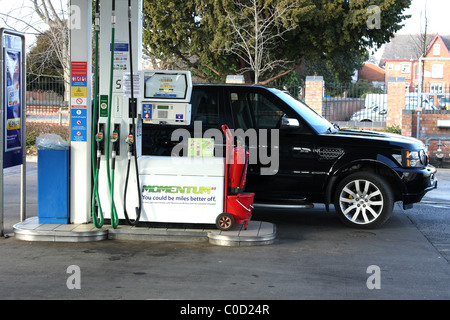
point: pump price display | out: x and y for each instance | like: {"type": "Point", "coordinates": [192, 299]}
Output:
{"type": "Point", "coordinates": [165, 86]}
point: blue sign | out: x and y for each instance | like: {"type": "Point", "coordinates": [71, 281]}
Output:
{"type": "Point", "coordinates": [79, 81]}
{"type": "Point", "coordinates": [146, 111]}
{"type": "Point", "coordinates": [119, 46]}
{"type": "Point", "coordinates": [78, 130]}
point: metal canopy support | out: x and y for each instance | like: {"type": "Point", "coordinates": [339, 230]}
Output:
{"type": "Point", "coordinates": [80, 110]}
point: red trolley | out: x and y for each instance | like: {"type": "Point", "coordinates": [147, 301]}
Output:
{"type": "Point", "coordinates": [238, 205]}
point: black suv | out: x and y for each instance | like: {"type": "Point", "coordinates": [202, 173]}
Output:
{"type": "Point", "coordinates": [307, 159]}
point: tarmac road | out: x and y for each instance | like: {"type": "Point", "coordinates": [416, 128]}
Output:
{"type": "Point", "coordinates": [313, 257]}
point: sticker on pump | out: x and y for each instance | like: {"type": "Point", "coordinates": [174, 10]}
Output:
{"type": "Point", "coordinates": [147, 111]}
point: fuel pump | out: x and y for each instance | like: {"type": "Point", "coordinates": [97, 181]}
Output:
{"type": "Point", "coordinates": [118, 57]}
{"type": "Point", "coordinates": [160, 189]}
{"type": "Point", "coordinates": [126, 105]}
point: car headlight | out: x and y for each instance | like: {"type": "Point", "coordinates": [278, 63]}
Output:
{"type": "Point", "coordinates": [409, 159]}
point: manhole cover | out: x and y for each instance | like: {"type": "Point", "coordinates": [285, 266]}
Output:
{"type": "Point", "coordinates": [361, 234]}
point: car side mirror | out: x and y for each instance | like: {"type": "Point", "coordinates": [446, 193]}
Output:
{"type": "Point", "coordinates": [289, 123]}
{"type": "Point", "coordinates": [384, 111]}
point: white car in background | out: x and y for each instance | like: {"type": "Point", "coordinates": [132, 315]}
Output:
{"type": "Point", "coordinates": [370, 114]}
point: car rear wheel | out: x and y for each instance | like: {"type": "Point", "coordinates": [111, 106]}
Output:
{"type": "Point", "coordinates": [364, 200]}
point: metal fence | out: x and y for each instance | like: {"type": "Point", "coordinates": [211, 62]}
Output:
{"type": "Point", "coordinates": [45, 100]}
{"type": "Point", "coordinates": [435, 96]}
{"type": "Point", "coordinates": [350, 105]}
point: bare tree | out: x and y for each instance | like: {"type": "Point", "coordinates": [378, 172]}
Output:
{"type": "Point", "coordinates": [21, 18]}
{"type": "Point", "coordinates": [421, 41]}
{"type": "Point", "coordinates": [59, 36]}
{"type": "Point", "coordinates": [256, 28]}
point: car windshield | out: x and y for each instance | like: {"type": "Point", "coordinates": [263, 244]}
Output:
{"type": "Point", "coordinates": [319, 123]}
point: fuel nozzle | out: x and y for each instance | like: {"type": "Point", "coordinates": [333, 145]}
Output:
{"type": "Point", "coordinates": [115, 139]}
{"type": "Point", "coordinates": [115, 136]}
{"type": "Point", "coordinates": [99, 140]}
{"type": "Point", "coordinates": [99, 136]}
{"type": "Point", "coordinates": [130, 139]}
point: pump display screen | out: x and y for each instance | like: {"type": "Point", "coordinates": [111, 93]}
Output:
{"type": "Point", "coordinates": [165, 86]}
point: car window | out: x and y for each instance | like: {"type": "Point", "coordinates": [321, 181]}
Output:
{"type": "Point", "coordinates": [205, 107]}
{"type": "Point", "coordinates": [254, 110]}
{"type": "Point", "coordinates": [319, 123]}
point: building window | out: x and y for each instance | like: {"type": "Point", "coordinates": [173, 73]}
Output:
{"type": "Point", "coordinates": [436, 49]}
{"type": "Point", "coordinates": [406, 68]}
{"type": "Point", "coordinates": [397, 67]}
{"type": "Point", "coordinates": [390, 67]}
{"type": "Point", "coordinates": [437, 71]}
{"type": "Point", "coordinates": [436, 88]}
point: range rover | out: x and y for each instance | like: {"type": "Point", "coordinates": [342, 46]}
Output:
{"type": "Point", "coordinates": [306, 158]}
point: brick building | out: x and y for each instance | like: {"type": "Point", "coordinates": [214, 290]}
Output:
{"type": "Point", "coordinates": [372, 73]}
{"type": "Point", "coordinates": [402, 58]}
{"type": "Point", "coordinates": [437, 65]}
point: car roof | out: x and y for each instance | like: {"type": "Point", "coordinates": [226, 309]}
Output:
{"type": "Point", "coordinates": [228, 85]}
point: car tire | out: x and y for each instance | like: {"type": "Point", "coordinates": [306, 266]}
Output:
{"type": "Point", "coordinates": [363, 200]}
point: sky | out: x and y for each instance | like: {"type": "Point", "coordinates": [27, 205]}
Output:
{"type": "Point", "coordinates": [437, 19]}
{"type": "Point", "coordinates": [19, 15]}
{"type": "Point", "coordinates": [437, 13]}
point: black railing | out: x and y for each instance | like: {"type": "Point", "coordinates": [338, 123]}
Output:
{"type": "Point", "coordinates": [434, 96]}
{"type": "Point", "coordinates": [46, 101]}
{"type": "Point", "coordinates": [355, 105]}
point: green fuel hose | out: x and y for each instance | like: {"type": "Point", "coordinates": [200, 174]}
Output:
{"type": "Point", "coordinates": [131, 138]}
{"type": "Point", "coordinates": [97, 213]}
{"type": "Point", "coordinates": [114, 217]}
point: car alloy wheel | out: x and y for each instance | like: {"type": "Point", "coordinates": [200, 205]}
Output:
{"type": "Point", "coordinates": [364, 200]}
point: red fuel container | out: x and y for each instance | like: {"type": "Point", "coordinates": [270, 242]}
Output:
{"type": "Point", "coordinates": [237, 170]}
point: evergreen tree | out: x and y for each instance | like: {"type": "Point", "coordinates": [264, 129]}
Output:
{"type": "Point", "coordinates": [194, 34]}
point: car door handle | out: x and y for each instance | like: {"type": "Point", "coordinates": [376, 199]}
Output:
{"type": "Point", "coordinates": [302, 150]}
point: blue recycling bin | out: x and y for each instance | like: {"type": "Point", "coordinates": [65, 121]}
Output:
{"type": "Point", "coordinates": [53, 184]}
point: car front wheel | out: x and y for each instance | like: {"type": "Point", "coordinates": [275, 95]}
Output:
{"type": "Point", "coordinates": [363, 200]}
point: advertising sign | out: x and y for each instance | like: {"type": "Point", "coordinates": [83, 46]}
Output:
{"type": "Point", "coordinates": [12, 98]}
{"type": "Point", "coordinates": [12, 107]}
{"type": "Point", "coordinates": [186, 199]}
